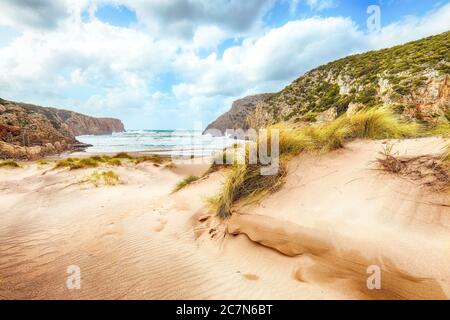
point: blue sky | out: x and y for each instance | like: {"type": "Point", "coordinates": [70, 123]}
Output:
{"type": "Point", "coordinates": [180, 63]}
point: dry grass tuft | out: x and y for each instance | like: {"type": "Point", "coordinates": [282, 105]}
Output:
{"type": "Point", "coordinates": [42, 162]}
{"type": "Point", "coordinates": [389, 161]}
{"type": "Point", "coordinates": [76, 163]}
{"type": "Point", "coordinates": [108, 178]}
{"type": "Point", "coordinates": [113, 162]}
{"type": "Point", "coordinates": [150, 158]}
{"type": "Point", "coordinates": [245, 181]}
{"type": "Point", "coordinates": [96, 161]}
{"type": "Point", "coordinates": [441, 130]}
{"type": "Point", "coordinates": [10, 164]}
{"type": "Point", "coordinates": [433, 172]}
{"type": "Point", "coordinates": [185, 182]}
{"type": "Point", "coordinates": [123, 155]}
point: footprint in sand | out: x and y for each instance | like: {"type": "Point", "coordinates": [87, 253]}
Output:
{"type": "Point", "coordinates": [111, 230]}
{"type": "Point", "coordinates": [297, 274]}
{"type": "Point", "coordinates": [161, 224]}
{"type": "Point", "coordinates": [250, 276]}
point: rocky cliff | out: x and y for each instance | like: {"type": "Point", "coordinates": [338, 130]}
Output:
{"type": "Point", "coordinates": [236, 117]}
{"type": "Point", "coordinates": [413, 79]}
{"type": "Point", "coordinates": [28, 131]}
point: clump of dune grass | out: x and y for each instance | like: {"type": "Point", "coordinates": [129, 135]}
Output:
{"type": "Point", "coordinates": [441, 130]}
{"type": "Point", "coordinates": [106, 160]}
{"type": "Point", "coordinates": [76, 163]}
{"type": "Point", "coordinates": [150, 158]}
{"type": "Point", "coordinates": [108, 178]}
{"type": "Point", "coordinates": [379, 123]}
{"type": "Point", "coordinates": [226, 155]}
{"type": "Point", "coordinates": [389, 160]}
{"type": "Point", "coordinates": [246, 181]}
{"type": "Point", "coordinates": [10, 164]}
{"type": "Point", "coordinates": [66, 163]}
{"type": "Point", "coordinates": [122, 155]}
{"type": "Point", "coordinates": [42, 162]}
{"type": "Point", "coordinates": [185, 182]}
{"type": "Point", "coordinates": [170, 165]}
{"type": "Point", "coordinates": [375, 123]}
{"type": "Point", "coordinates": [86, 163]}
{"type": "Point", "coordinates": [430, 171]}
{"type": "Point", "coordinates": [97, 160]}
{"type": "Point", "coordinates": [113, 162]}
{"type": "Point", "coordinates": [139, 159]}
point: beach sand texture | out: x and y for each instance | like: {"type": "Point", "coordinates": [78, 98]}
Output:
{"type": "Point", "coordinates": [336, 215]}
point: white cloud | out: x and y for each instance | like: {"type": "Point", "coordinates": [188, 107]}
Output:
{"type": "Point", "coordinates": [82, 53]}
{"type": "Point", "coordinates": [208, 37]}
{"type": "Point", "coordinates": [411, 28]}
{"type": "Point", "coordinates": [41, 14]}
{"type": "Point", "coordinates": [269, 62]}
{"type": "Point", "coordinates": [282, 54]}
{"type": "Point", "coordinates": [100, 69]}
{"type": "Point", "coordinates": [183, 17]}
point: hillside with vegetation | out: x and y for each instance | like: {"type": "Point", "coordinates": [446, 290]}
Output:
{"type": "Point", "coordinates": [412, 79]}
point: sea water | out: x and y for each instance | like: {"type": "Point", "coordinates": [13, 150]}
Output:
{"type": "Point", "coordinates": [164, 142]}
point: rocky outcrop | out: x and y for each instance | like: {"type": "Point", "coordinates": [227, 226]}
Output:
{"type": "Point", "coordinates": [236, 117]}
{"type": "Point", "coordinates": [29, 131]}
{"type": "Point", "coordinates": [413, 79]}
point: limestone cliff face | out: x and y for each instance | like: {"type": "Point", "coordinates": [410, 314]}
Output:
{"type": "Point", "coordinates": [29, 131]}
{"type": "Point", "coordinates": [79, 124]}
{"type": "Point", "coordinates": [236, 117]}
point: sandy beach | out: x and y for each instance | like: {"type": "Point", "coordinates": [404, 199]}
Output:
{"type": "Point", "coordinates": [336, 215]}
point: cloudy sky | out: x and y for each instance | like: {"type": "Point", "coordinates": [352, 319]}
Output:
{"type": "Point", "coordinates": [170, 64]}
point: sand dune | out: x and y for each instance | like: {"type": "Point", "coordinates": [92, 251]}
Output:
{"type": "Point", "coordinates": [314, 239]}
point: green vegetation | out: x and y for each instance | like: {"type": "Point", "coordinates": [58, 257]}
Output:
{"type": "Point", "coordinates": [114, 162]}
{"type": "Point", "coordinates": [42, 162]}
{"type": "Point", "coordinates": [441, 130]}
{"type": "Point", "coordinates": [357, 78]}
{"type": "Point", "coordinates": [96, 161]}
{"type": "Point", "coordinates": [76, 163]}
{"type": "Point", "coordinates": [9, 164]}
{"type": "Point", "coordinates": [123, 155]}
{"type": "Point", "coordinates": [109, 178]}
{"type": "Point", "coordinates": [150, 158]}
{"type": "Point", "coordinates": [307, 117]}
{"type": "Point", "coordinates": [245, 180]}
{"type": "Point", "coordinates": [185, 182]}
